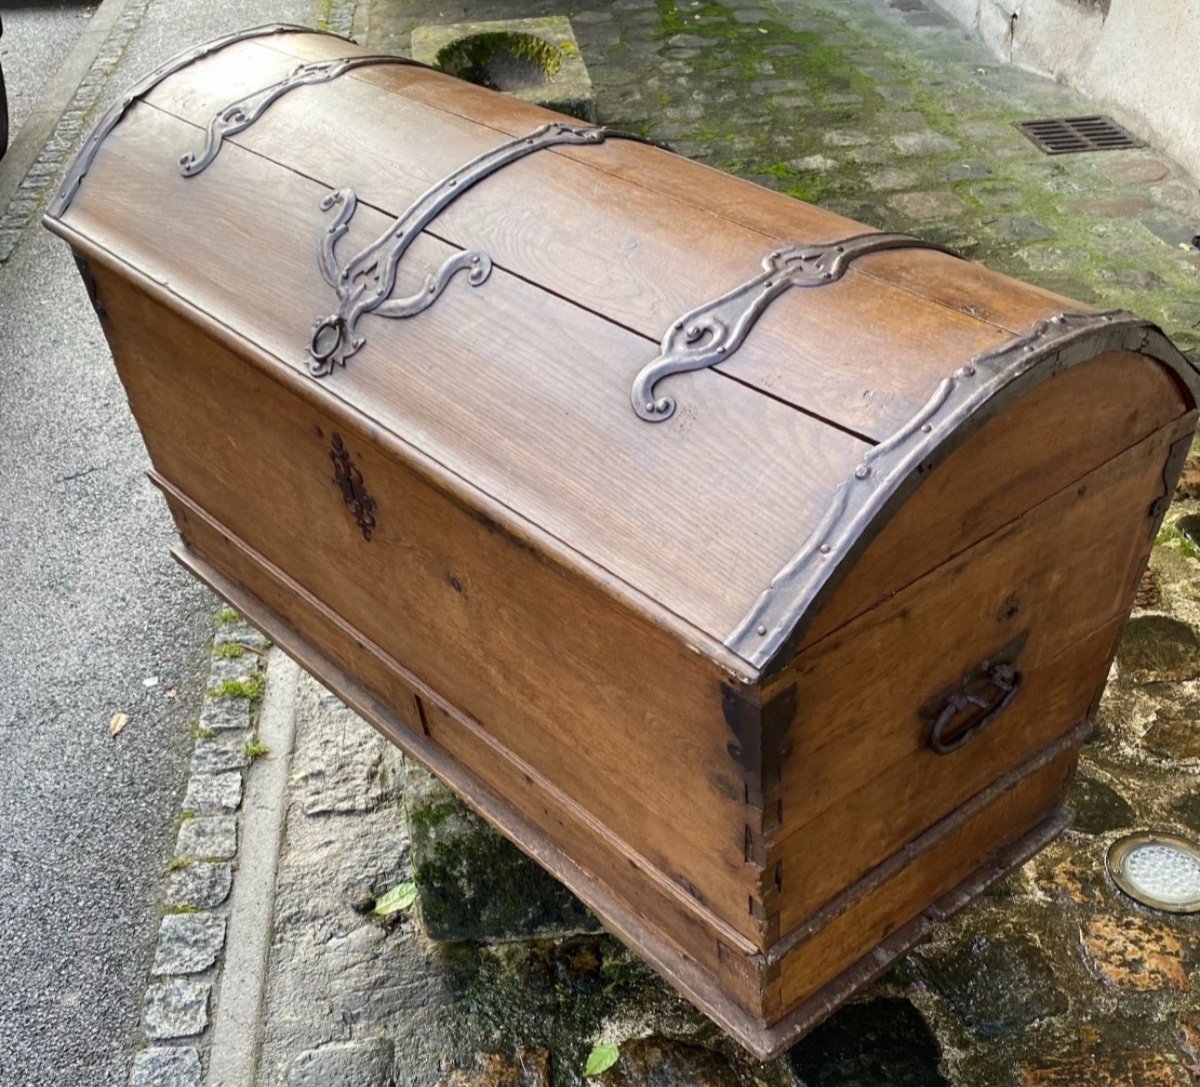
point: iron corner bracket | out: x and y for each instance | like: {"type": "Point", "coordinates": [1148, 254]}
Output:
{"type": "Point", "coordinates": [962, 402]}
{"type": "Point", "coordinates": [83, 159]}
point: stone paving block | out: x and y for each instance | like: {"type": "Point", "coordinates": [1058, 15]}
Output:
{"type": "Point", "coordinates": [1107, 1070]}
{"type": "Point", "coordinates": [928, 205]}
{"type": "Point", "coordinates": [188, 943]}
{"type": "Point", "coordinates": [892, 178]}
{"type": "Point", "coordinates": [240, 633]}
{"type": "Point", "coordinates": [1021, 228]}
{"type": "Point", "coordinates": [365, 1063]}
{"type": "Point", "coordinates": [966, 170]}
{"type": "Point", "coordinates": [667, 1062]}
{"type": "Point", "coordinates": [176, 1009]}
{"type": "Point", "coordinates": [926, 142]}
{"type": "Point", "coordinates": [207, 837]}
{"type": "Point", "coordinates": [526, 1068]}
{"type": "Point", "coordinates": [1098, 807]}
{"type": "Point", "coordinates": [996, 985]}
{"type": "Point", "coordinates": [1066, 879]}
{"type": "Point", "coordinates": [353, 771]}
{"type": "Point", "coordinates": [1158, 649]}
{"type": "Point", "coordinates": [199, 885]}
{"type": "Point", "coordinates": [166, 1066]}
{"type": "Point", "coordinates": [213, 794]}
{"type": "Point", "coordinates": [224, 751]}
{"type": "Point", "coordinates": [1135, 954]}
{"type": "Point", "coordinates": [1187, 1031]}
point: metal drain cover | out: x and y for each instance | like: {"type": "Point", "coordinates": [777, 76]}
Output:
{"type": "Point", "coordinates": [1066, 135]}
{"type": "Point", "coordinates": [1158, 870]}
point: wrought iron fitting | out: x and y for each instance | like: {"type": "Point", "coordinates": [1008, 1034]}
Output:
{"type": "Point", "coordinates": [349, 480]}
{"type": "Point", "coordinates": [240, 115]}
{"type": "Point", "coordinates": [87, 153]}
{"type": "Point", "coordinates": [713, 332]}
{"type": "Point", "coordinates": [889, 471]}
{"type": "Point", "coordinates": [364, 284]}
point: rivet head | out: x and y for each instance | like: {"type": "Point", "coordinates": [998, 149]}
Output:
{"type": "Point", "coordinates": [762, 629]}
{"type": "Point", "coordinates": [927, 428]}
{"type": "Point", "coordinates": [862, 471]}
{"type": "Point", "coordinates": [824, 549]}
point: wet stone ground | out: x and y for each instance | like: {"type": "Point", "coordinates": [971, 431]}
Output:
{"type": "Point", "coordinates": [1054, 978]}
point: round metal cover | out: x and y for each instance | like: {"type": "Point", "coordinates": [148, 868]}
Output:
{"type": "Point", "coordinates": [1158, 870]}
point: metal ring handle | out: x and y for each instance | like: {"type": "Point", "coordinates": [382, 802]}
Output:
{"type": "Point", "coordinates": [1006, 680]}
{"type": "Point", "coordinates": [335, 324]}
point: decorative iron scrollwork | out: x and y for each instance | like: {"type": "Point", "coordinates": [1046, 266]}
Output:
{"type": "Point", "coordinates": [711, 333]}
{"type": "Point", "coordinates": [365, 283]}
{"type": "Point", "coordinates": [240, 115]}
{"type": "Point", "coordinates": [349, 481]}
{"type": "Point", "coordinates": [87, 153]}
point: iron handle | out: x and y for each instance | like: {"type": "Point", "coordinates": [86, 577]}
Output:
{"type": "Point", "coordinates": [1004, 682]}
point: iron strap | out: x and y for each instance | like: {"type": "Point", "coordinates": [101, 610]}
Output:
{"type": "Point", "coordinates": [364, 284]}
{"type": "Point", "coordinates": [240, 115]}
{"type": "Point", "coordinates": [83, 160]}
{"type": "Point", "coordinates": [891, 470]}
{"type": "Point", "coordinates": [711, 333]}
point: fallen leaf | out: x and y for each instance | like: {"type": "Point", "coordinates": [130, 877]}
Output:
{"type": "Point", "coordinates": [601, 1059]}
{"type": "Point", "coordinates": [118, 722]}
{"type": "Point", "coordinates": [400, 897]}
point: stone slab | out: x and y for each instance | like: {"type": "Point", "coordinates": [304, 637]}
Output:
{"type": "Point", "coordinates": [568, 89]}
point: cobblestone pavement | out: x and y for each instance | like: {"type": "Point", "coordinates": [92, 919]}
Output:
{"type": "Point", "coordinates": [1053, 979]}
{"type": "Point", "coordinates": [886, 113]}
{"type": "Point", "coordinates": [188, 958]}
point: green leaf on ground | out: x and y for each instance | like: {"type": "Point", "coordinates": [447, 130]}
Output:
{"type": "Point", "coordinates": [601, 1059]}
{"type": "Point", "coordinates": [400, 897]}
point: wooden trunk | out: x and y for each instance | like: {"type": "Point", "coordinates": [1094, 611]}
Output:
{"type": "Point", "coordinates": [755, 576]}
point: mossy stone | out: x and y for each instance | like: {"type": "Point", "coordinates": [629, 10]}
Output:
{"type": "Point", "coordinates": [1158, 648]}
{"type": "Point", "coordinates": [1098, 807]}
{"type": "Point", "coordinates": [881, 1041]}
{"type": "Point", "coordinates": [996, 985]}
{"type": "Point", "coordinates": [474, 884]}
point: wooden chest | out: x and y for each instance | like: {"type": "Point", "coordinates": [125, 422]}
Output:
{"type": "Point", "coordinates": [756, 573]}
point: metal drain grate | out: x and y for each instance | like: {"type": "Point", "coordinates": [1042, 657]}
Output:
{"type": "Point", "coordinates": [1065, 135]}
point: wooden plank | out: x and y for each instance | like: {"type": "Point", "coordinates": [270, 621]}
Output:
{"type": "Point", "coordinates": [552, 665]}
{"type": "Point", "coordinates": [901, 799]}
{"type": "Point", "coordinates": [836, 947]}
{"type": "Point", "coordinates": [1056, 576]}
{"type": "Point", "coordinates": [861, 352]}
{"type": "Point", "coordinates": [531, 407]}
{"type": "Point", "coordinates": [625, 904]}
{"type": "Point", "coordinates": [1045, 441]}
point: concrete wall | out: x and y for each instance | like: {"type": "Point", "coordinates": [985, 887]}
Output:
{"type": "Point", "coordinates": [1139, 59]}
